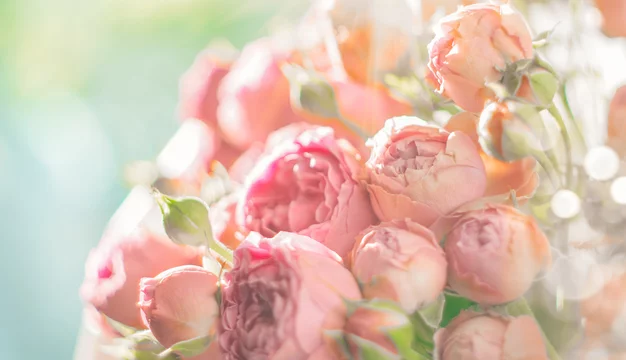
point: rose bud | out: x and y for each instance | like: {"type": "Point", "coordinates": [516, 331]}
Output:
{"type": "Point", "coordinates": [472, 336]}
{"type": "Point", "coordinates": [502, 177]}
{"type": "Point", "coordinates": [309, 186]}
{"type": "Point", "coordinates": [414, 171]}
{"type": "Point", "coordinates": [254, 96]}
{"type": "Point", "coordinates": [613, 14]}
{"type": "Point", "coordinates": [124, 256]}
{"type": "Point", "coordinates": [179, 304]}
{"type": "Point", "coordinates": [604, 313]}
{"type": "Point", "coordinates": [616, 137]}
{"type": "Point", "coordinates": [472, 47]}
{"type": "Point", "coordinates": [280, 297]}
{"type": "Point", "coordinates": [400, 261]}
{"type": "Point", "coordinates": [376, 329]}
{"type": "Point", "coordinates": [494, 254]}
{"type": "Point", "coordinates": [511, 130]}
{"type": "Point", "coordinates": [198, 86]}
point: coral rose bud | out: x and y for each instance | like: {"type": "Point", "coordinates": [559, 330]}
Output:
{"type": "Point", "coordinates": [613, 14]}
{"type": "Point", "coordinates": [414, 171]}
{"type": "Point", "coordinates": [400, 261]}
{"type": "Point", "coordinates": [511, 130]}
{"type": "Point", "coordinates": [308, 185]}
{"type": "Point", "coordinates": [280, 297]}
{"type": "Point", "coordinates": [254, 96]}
{"type": "Point", "coordinates": [472, 336]}
{"type": "Point", "coordinates": [124, 256]}
{"type": "Point", "coordinates": [472, 47]}
{"type": "Point", "coordinates": [198, 86]}
{"type": "Point", "coordinates": [605, 312]}
{"type": "Point", "coordinates": [502, 177]}
{"type": "Point", "coordinates": [494, 254]}
{"type": "Point", "coordinates": [616, 137]}
{"type": "Point", "coordinates": [179, 304]}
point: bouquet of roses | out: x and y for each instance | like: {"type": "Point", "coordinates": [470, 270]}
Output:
{"type": "Point", "coordinates": [348, 190]}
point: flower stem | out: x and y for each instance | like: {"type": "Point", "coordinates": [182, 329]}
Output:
{"type": "Point", "coordinates": [353, 127]}
{"type": "Point", "coordinates": [520, 307]}
{"type": "Point", "coordinates": [566, 141]}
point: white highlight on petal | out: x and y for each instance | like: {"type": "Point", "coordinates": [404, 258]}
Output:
{"type": "Point", "coordinates": [565, 204]}
{"type": "Point", "coordinates": [601, 163]}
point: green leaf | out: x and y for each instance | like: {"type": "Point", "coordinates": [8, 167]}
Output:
{"type": "Point", "coordinates": [544, 85]}
{"type": "Point", "coordinates": [454, 304]}
{"type": "Point", "coordinates": [193, 347]}
{"type": "Point", "coordinates": [433, 312]}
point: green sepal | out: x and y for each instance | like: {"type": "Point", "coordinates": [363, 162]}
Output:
{"type": "Point", "coordinates": [368, 350]}
{"type": "Point", "coordinates": [544, 86]}
{"type": "Point", "coordinates": [192, 347]}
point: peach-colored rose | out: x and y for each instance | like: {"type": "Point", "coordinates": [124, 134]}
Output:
{"type": "Point", "coordinates": [613, 15]}
{"type": "Point", "coordinates": [473, 336]}
{"type": "Point", "coordinates": [616, 137]}
{"type": "Point", "coordinates": [113, 271]}
{"type": "Point", "coordinates": [422, 172]}
{"type": "Point", "coordinates": [308, 185]}
{"type": "Point", "coordinates": [605, 312]}
{"type": "Point", "coordinates": [280, 296]}
{"type": "Point", "coordinates": [179, 304]}
{"type": "Point", "coordinates": [494, 254]}
{"type": "Point", "coordinates": [400, 261]}
{"type": "Point", "coordinates": [502, 177]}
{"type": "Point", "coordinates": [254, 95]}
{"type": "Point", "coordinates": [471, 47]}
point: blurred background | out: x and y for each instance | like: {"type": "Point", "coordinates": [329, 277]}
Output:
{"type": "Point", "coordinates": [86, 87]}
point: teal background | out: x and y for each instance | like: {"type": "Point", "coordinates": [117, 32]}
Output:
{"type": "Point", "coordinates": [85, 87]}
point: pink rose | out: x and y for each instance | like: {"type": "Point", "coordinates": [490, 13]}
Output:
{"type": "Point", "coordinates": [422, 172]}
{"type": "Point", "coordinates": [246, 162]}
{"type": "Point", "coordinates": [114, 268]}
{"type": "Point", "coordinates": [494, 254]}
{"type": "Point", "coordinates": [309, 186]}
{"type": "Point", "coordinates": [472, 336]}
{"type": "Point", "coordinates": [254, 96]}
{"type": "Point", "coordinates": [471, 47]}
{"type": "Point", "coordinates": [400, 261]}
{"type": "Point", "coordinates": [613, 14]}
{"type": "Point", "coordinates": [616, 137]}
{"type": "Point", "coordinates": [179, 304]}
{"type": "Point", "coordinates": [280, 296]}
{"type": "Point", "coordinates": [198, 86]}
